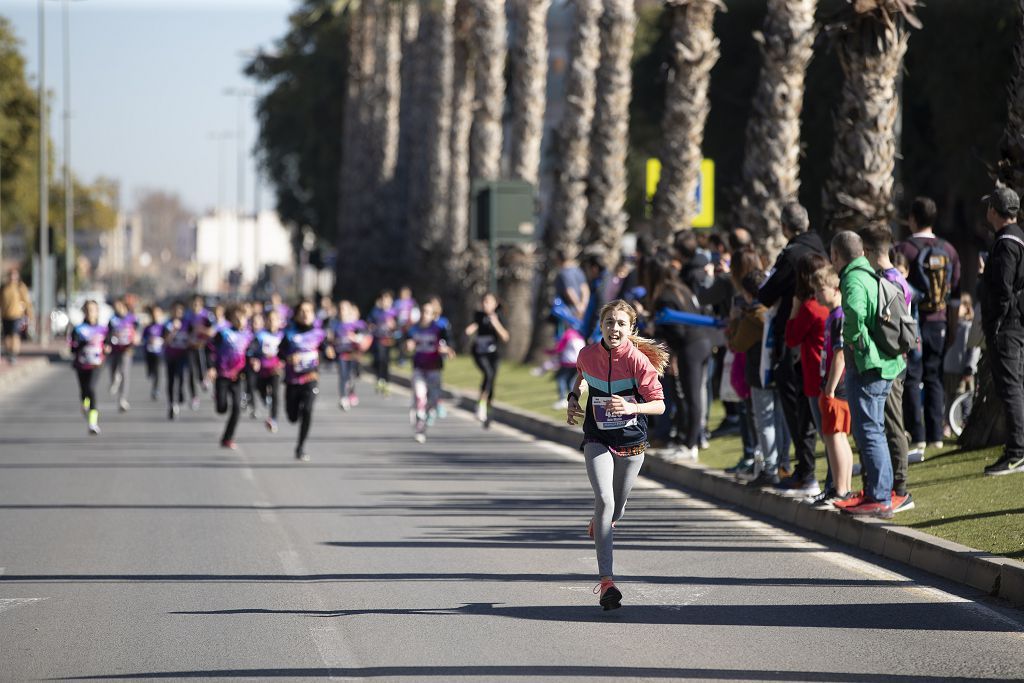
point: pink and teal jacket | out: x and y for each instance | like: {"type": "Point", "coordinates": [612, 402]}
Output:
{"type": "Point", "coordinates": [623, 371]}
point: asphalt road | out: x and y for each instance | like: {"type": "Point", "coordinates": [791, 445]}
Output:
{"type": "Point", "coordinates": [150, 553]}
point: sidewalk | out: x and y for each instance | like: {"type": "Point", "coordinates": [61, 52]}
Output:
{"type": "Point", "coordinates": [32, 360]}
{"type": "Point", "coordinates": [990, 573]}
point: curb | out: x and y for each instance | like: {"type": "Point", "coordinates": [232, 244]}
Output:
{"type": "Point", "coordinates": [981, 570]}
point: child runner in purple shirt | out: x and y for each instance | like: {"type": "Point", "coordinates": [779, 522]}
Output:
{"type": "Point", "coordinates": [300, 352]}
{"type": "Point", "coordinates": [228, 355]}
{"type": "Point", "coordinates": [153, 342]}
{"type": "Point", "coordinates": [88, 351]}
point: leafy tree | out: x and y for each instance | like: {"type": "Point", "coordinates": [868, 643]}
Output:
{"type": "Point", "coordinates": [301, 114]}
{"type": "Point", "coordinates": [19, 126]}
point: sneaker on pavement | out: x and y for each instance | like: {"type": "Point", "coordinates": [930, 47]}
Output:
{"type": "Point", "coordinates": [611, 597]}
{"type": "Point", "coordinates": [301, 455]}
{"type": "Point", "coordinates": [764, 480]}
{"type": "Point", "coordinates": [353, 400]}
{"type": "Point", "coordinates": [871, 508]}
{"type": "Point", "coordinates": [750, 472]}
{"type": "Point", "coordinates": [729, 426]}
{"type": "Point", "coordinates": [344, 404]}
{"type": "Point", "coordinates": [229, 444]}
{"type": "Point", "coordinates": [902, 503]}
{"type": "Point", "coordinates": [796, 487]}
{"type": "Point", "coordinates": [420, 437]}
{"type": "Point", "coordinates": [481, 411]}
{"type": "Point", "coordinates": [823, 501]}
{"type": "Point", "coordinates": [271, 424]}
{"type": "Point", "coordinates": [850, 500]}
{"type": "Point", "coordinates": [1007, 464]}
{"type": "Point", "coordinates": [94, 430]}
{"type": "Point", "coordinates": [123, 406]}
{"type": "Point", "coordinates": [915, 455]}
{"type": "Point", "coordinates": [743, 462]}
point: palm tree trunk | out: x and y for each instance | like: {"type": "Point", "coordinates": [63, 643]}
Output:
{"type": "Point", "coordinates": [606, 215]}
{"type": "Point", "coordinates": [567, 216]}
{"type": "Point", "coordinates": [695, 51]}
{"type": "Point", "coordinates": [771, 167]}
{"type": "Point", "coordinates": [859, 192]}
{"type": "Point", "coordinates": [409, 154]}
{"type": "Point", "coordinates": [528, 57]}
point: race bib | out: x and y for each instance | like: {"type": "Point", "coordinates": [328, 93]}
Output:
{"type": "Point", "coordinates": [305, 361]}
{"type": "Point", "coordinates": [269, 347]}
{"type": "Point", "coordinates": [155, 344]}
{"type": "Point", "coordinates": [90, 355]}
{"type": "Point", "coordinates": [604, 422]}
{"type": "Point", "coordinates": [486, 344]}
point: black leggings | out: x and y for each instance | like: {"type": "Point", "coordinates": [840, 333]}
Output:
{"type": "Point", "coordinates": [87, 385]}
{"type": "Point", "coordinates": [196, 369]}
{"type": "Point", "coordinates": [176, 377]}
{"type": "Point", "coordinates": [692, 360]}
{"type": "Point", "coordinates": [268, 390]}
{"type": "Point", "coordinates": [382, 361]}
{"type": "Point", "coordinates": [488, 364]}
{"type": "Point", "coordinates": [223, 390]}
{"type": "Point", "coordinates": [298, 405]}
{"type": "Point", "coordinates": [153, 369]}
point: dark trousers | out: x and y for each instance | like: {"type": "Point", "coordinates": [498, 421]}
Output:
{"type": "Point", "coordinates": [488, 364]}
{"type": "Point", "coordinates": [196, 369]}
{"type": "Point", "coordinates": [661, 429]}
{"type": "Point", "coordinates": [268, 390]}
{"type": "Point", "coordinates": [228, 391]}
{"type": "Point", "coordinates": [153, 370]}
{"type": "Point", "coordinates": [690, 390]}
{"type": "Point", "coordinates": [1007, 359]}
{"type": "Point", "coordinates": [382, 361]}
{"type": "Point", "coordinates": [923, 396]}
{"type": "Point", "coordinates": [298, 405]}
{"type": "Point", "coordinates": [87, 385]}
{"type": "Point", "coordinates": [797, 411]}
{"type": "Point", "coordinates": [896, 435]}
{"type": "Point", "coordinates": [176, 378]}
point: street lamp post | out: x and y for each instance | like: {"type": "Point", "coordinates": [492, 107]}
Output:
{"type": "Point", "coordinates": [240, 94]}
{"type": "Point", "coordinates": [220, 137]}
{"type": "Point", "coordinates": [41, 279]}
{"type": "Point", "coordinates": [69, 204]}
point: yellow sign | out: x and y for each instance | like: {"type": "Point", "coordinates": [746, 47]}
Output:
{"type": "Point", "coordinates": [705, 198]}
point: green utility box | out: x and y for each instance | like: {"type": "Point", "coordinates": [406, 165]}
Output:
{"type": "Point", "coordinates": [503, 211]}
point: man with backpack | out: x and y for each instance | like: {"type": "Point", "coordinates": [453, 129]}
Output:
{"type": "Point", "coordinates": [870, 370]}
{"type": "Point", "coordinates": [934, 272]}
{"type": "Point", "coordinates": [1002, 319]}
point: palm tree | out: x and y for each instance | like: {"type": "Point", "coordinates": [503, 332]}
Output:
{"type": "Point", "coordinates": [771, 167]}
{"type": "Point", "coordinates": [606, 216]}
{"type": "Point", "coordinates": [528, 60]}
{"type": "Point", "coordinates": [870, 44]}
{"type": "Point", "coordinates": [695, 51]}
{"type": "Point", "coordinates": [403, 226]}
{"type": "Point", "coordinates": [567, 216]}
{"type": "Point", "coordinates": [463, 89]}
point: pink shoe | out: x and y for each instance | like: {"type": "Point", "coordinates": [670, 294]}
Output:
{"type": "Point", "coordinates": [353, 400]}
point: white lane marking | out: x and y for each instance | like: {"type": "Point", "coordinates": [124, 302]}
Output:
{"type": "Point", "coordinates": [10, 603]}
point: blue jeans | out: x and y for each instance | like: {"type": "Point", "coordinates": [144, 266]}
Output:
{"type": "Point", "coordinates": [782, 432]}
{"type": "Point", "coordinates": [766, 422]}
{"type": "Point", "coordinates": [866, 395]}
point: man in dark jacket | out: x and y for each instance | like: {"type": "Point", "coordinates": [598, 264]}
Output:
{"type": "Point", "coordinates": [1002, 286]}
{"type": "Point", "coordinates": [779, 288]}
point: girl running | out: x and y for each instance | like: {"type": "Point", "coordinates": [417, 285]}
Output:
{"type": "Point", "coordinates": [488, 330]}
{"type": "Point", "coordinates": [121, 332]}
{"type": "Point", "coordinates": [88, 350]}
{"type": "Point", "coordinates": [300, 351]}
{"type": "Point", "coordinates": [229, 356]}
{"type": "Point", "coordinates": [428, 341]}
{"type": "Point", "coordinates": [350, 337]}
{"type": "Point", "coordinates": [153, 341]}
{"type": "Point", "coordinates": [177, 355]}
{"type": "Point", "coordinates": [384, 325]}
{"type": "Point", "coordinates": [621, 372]}
{"type": "Point", "coordinates": [265, 348]}
{"type": "Point", "coordinates": [199, 324]}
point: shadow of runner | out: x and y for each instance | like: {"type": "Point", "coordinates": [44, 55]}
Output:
{"type": "Point", "coordinates": [882, 616]}
{"type": "Point", "coordinates": [538, 672]}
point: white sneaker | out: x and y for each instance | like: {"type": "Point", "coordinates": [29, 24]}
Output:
{"type": "Point", "coordinates": [420, 437]}
{"type": "Point", "coordinates": [344, 404]}
{"type": "Point", "coordinates": [560, 405]}
{"type": "Point", "coordinates": [481, 412]}
{"type": "Point", "coordinates": [94, 430]}
{"type": "Point", "coordinates": [123, 406]}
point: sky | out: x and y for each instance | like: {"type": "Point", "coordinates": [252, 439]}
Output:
{"type": "Point", "coordinates": [147, 84]}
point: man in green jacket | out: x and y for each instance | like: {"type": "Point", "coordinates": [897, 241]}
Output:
{"type": "Point", "coordinates": [869, 373]}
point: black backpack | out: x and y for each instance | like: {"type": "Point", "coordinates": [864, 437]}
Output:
{"type": "Point", "coordinates": [933, 268]}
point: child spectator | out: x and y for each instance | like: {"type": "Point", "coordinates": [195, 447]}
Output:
{"type": "Point", "coordinates": [960, 364]}
{"type": "Point", "coordinates": [834, 410]}
{"type": "Point", "coordinates": [805, 330]}
{"type": "Point", "coordinates": [567, 351]}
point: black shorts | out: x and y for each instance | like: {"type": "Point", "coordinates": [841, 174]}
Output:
{"type": "Point", "coordinates": [13, 327]}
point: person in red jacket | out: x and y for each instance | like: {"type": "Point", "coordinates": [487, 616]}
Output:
{"type": "Point", "coordinates": [805, 330]}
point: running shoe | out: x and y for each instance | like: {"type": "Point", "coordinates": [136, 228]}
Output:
{"type": "Point", "coordinates": [748, 472]}
{"type": "Point", "coordinates": [229, 444]}
{"type": "Point", "coordinates": [1007, 464]}
{"type": "Point", "coordinates": [432, 416]}
{"type": "Point", "coordinates": [123, 406]}
{"type": "Point", "coordinates": [481, 411]}
{"type": "Point", "coordinates": [730, 426]}
{"type": "Point", "coordinates": [870, 508]}
{"type": "Point", "coordinates": [743, 462]}
{"type": "Point", "coordinates": [915, 456]}
{"type": "Point", "coordinates": [611, 597]}
{"type": "Point", "coordinates": [301, 455]}
{"type": "Point", "coordinates": [766, 479]}
{"type": "Point", "coordinates": [195, 403]}
{"type": "Point", "coordinates": [902, 503]}
{"type": "Point", "coordinates": [94, 430]}
{"type": "Point", "coordinates": [420, 437]}
{"type": "Point", "coordinates": [823, 501]}
{"type": "Point", "coordinates": [344, 404]}
{"type": "Point", "coordinates": [851, 500]}
{"type": "Point", "coordinates": [353, 400]}
{"type": "Point", "coordinates": [271, 424]}
{"type": "Point", "coordinates": [794, 487]}
{"type": "Point", "coordinates": [687, 454]}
